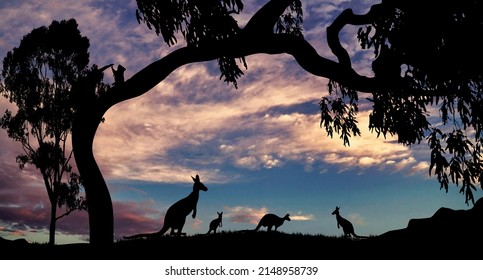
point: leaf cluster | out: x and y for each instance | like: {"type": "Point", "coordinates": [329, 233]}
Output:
{"type": "Point", "coordinates": [197, 20]}
{"type": "Point", "coordinates": [291, 21]}
{"type": "Point", "coordinates": [338, 113]}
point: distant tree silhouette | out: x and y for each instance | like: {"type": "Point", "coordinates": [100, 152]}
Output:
{"type": "Point", "coordinates": [424, 56]}
{"type": "Point", "coordinates": [38, 76]}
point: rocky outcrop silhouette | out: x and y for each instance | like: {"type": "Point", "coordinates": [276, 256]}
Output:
{"type": "Point", "coordinates": [445, 224]}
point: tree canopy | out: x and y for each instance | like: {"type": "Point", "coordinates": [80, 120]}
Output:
{"type": "Point", "coordinates": [427, 59]}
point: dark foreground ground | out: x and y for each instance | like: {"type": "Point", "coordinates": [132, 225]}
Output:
{"type": "Point", "coordinates": [258, 246]}
{"type": "Point", "coordinates": [447, 235]}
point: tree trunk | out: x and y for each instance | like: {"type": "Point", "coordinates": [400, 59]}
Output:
{"type": "Point", "coordinates": [53, 221]}
{"type": "Point", "coordinates": [101, 217]}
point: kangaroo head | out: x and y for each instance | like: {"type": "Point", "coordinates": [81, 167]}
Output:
{"type": "Point", "coordinates": [287, 217]}
{"type": "Point", "coordinates": [198, 185]}
{"type": "Point", "coordinates": [336, 211]}
{"type": "Point", "coordinates": [220, 217]}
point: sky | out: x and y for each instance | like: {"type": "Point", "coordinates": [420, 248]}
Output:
{"type": "Point", "coordinates": [259, 148]}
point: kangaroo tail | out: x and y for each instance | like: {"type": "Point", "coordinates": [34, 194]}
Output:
{"type": "Point", "coordinates": [360, 236]}
{"type": "Point", "coordinates": [142, 235]}
{"type": "Point", "coordinates": [148, 235]}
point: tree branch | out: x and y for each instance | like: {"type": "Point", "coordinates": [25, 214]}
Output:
{"type": "Point", "coordinates": [250, 42]}
{"type": "Point", "coordinates": [240, 46]}
{"type": "Point", "coordinates": [66, 214]}
{"type": "Point", "coordinates": [347, 17]}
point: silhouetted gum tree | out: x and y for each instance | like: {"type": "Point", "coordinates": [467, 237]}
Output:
{"type": "Point", "coordinates": [401, 86]}
{"type": "Point", "coordinates": [37, 77]}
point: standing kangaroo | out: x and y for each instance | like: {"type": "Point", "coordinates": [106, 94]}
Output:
{"type": "Point", "coordinates": [216, 223]}
{"type": "Point", "coordinates": [347, 226]}
{"type": "Point", "coordinates": [270, 220]}
{"type": "Point", "coordinates": [175, 217]}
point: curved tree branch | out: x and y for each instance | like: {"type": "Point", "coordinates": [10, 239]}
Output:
{"type": "Point", "coordinates": [250, 42]}
{"type": "Point", "coordinates": [243, 45]}
{"type": "Point", "coordinates": [345, 18]}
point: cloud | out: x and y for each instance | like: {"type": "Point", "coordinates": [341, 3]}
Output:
{"type": "Point", "coordinates": [243, 214]}
{"type": "Point", "coordinates": [197, 224]}
{"type": "Point", "coordinates": [249, 162]}
{"type": "Point", "coordinates": [301, 217]}
{"type": "Point", "coordinates": [404, 163]}
{"type": "Point", "coordinates": [356, 219]}
{"type": "Point", "coordinates": [420, 167]}
{"type": "Point", "coordinates": [250, 215]}
{"type": "Point", "coordinates": [133, 217]}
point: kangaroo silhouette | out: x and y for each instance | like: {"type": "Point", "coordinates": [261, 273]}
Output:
{"type": "Point", "coordinates": [214, 224]}
{"type": "Point", "coordinates": [272, 220]}
{"type": "Point", "coordinates": [175, 217]}
{"type": "Point", "coordinates": [346, 225]}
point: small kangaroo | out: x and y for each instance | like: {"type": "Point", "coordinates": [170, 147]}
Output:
{"type": "Point", "coordinates": [347, 226]}
{"type": "Point", "coordinates": [214, 224]}
{"type": "Point", "coordinates": [175, 217]}
{"type": "Point", "coordinates": [270, 220]}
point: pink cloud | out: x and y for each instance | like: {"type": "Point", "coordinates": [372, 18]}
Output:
{"type": "Point", "coordinates": [240, 214]}
{"type": "Point", "coordinates": [136, 217]}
